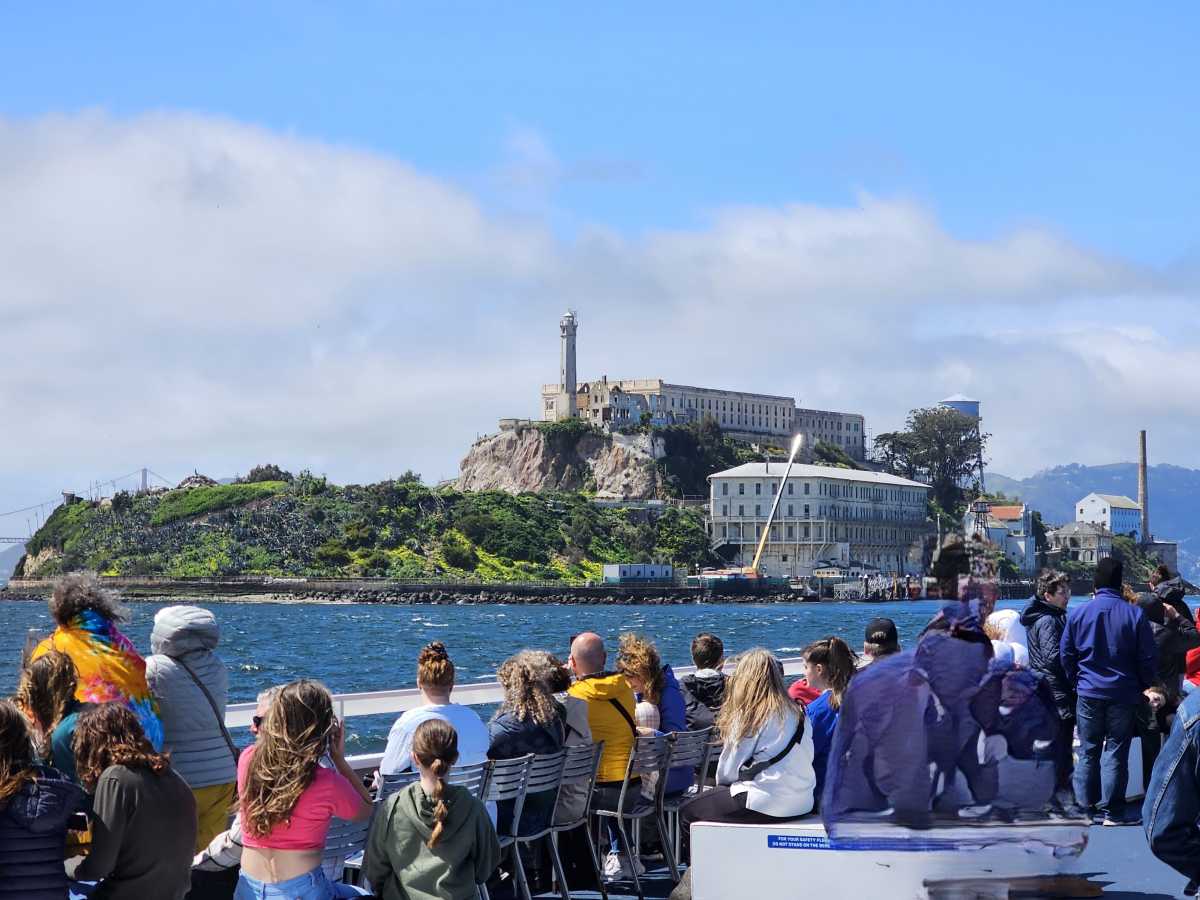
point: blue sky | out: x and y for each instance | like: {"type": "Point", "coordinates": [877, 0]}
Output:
{"type": "Point", "coordinates": [1080, 116]}
{"type": "Point", "coordinates": [340, 237]}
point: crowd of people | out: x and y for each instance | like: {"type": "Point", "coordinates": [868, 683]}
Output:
{"type": "Point", "coordinates": [119, 779]}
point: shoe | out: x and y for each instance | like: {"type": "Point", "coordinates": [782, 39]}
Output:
{"type": "Point", "coordinates": [617, 869]}
{"type": "Point", "coordinates": [1110, 822]}
{"type": "Point", "coordinates": [975, 813]}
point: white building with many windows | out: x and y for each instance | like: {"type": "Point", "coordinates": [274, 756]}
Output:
{"type": "Point", "coordinates": [825, 513]}
{"type": "Point", "coordinates": [1116, 512]}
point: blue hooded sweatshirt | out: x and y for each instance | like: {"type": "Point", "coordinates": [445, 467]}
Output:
{"type": "Point", "coordinates": [1108, 649]}
{"type": "Point", "coordinates": [672, 711]}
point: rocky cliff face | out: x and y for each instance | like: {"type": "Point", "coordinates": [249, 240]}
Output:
{"type": "Point", "coordinates": [616, 466]}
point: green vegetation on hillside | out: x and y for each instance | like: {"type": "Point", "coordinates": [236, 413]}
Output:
{"type": "Point", "coordinates": [396, 529]}
{"type": "Point", "coordinates": [200, 500]}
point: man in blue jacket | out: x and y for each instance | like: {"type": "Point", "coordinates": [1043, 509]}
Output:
{"type": "Point", "coordinates": [1108, 651]}
{"type": "Point", "coordinates": [1172, 806]}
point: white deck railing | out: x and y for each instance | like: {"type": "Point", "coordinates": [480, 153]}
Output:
{"type": "Point", "coordinates": [370, 703]}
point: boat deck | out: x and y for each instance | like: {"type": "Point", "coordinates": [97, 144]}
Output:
{"type": "Point", "coordinates": [1117, 863]}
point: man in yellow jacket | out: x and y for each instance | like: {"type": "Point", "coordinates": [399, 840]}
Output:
{"type": "Point", "coordinates": [610, 706]}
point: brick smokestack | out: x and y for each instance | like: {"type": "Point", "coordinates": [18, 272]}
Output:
{"type": "Point", "coordinates": [1143, 491]}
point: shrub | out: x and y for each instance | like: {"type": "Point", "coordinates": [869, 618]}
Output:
{"type": "Point", "coordinates": [268, 472]}
{"type": "Point", "coordinates": [333, 553]}
{"type": "Point", "coordinates": [198, 501]}
{"type": "Point", "coordinates": [458, 552]}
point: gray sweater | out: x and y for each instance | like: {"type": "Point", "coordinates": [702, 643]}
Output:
{"type": "Point", "coordinates": [144, 833]}
{"type": "Point", "coordinates": [191, 732]}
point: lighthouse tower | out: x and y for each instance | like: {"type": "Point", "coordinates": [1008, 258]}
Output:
{"type": "Point", "coordinates": [567, 326]}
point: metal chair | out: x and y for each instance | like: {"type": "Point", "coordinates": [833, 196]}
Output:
{"type": "Point", "coordinates": [545, 775]}
{"type": "Point", "coordinates": [474, 778]}
{"type": "Point", "coordinates": [507, 783]}
{"type": "Point", "coordinates": [345, 840]}
{"type": "Point", "coordinates": [650, 754]}
{"type": "Point", "coordinates": [692, 749]}
{"type": "Point", "coordinates": [579, 771]}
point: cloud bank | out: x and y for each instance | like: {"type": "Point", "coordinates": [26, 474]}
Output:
{"type": "Point", "coordinates": [191, 292]}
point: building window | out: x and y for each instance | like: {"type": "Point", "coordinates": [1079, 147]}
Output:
{"type": "Point", "coordinates": [806, 487]}
{"type": "Point", "coordinates": [790, 513]}
{"type": "Point", "coordinates": [758, 488]}
{"type": "Point", "coordinates": [757, 509]}
{"type": "Point", "coordinates": [741, 512]}
{"type": "Point", "coordinates": [790, 486]}
{"type": "Point", "coordinates": [774, 488]}
{"type": "Point", "coordinates": [806, 531]}
{"type": "Point", "coordinates": [724, 509]}
{"type": "Point", "coordinates": [806, 510]}
{"type": "Point", "coordinates": [725, 491]}
{"type": "Point", "coordinates": [741, 488]}
{"type": "Point", "coordinates": [724, 533]}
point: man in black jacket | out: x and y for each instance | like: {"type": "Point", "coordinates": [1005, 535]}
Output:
{"type": "Point", "coordinates": [1044, 619]}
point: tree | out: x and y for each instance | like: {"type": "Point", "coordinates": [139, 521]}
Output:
{"type": "Point", "coordinates": [122, 502]}
{"type": "Point", "coordinates": [939, 446]}
{"type": "Point", "coordinates": [267, 472]}
{"type": "Point", "coordinates": [458, 552]}
{"type": "Point", "coordinates": [831, 455]}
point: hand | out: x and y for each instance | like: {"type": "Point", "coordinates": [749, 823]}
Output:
{"type": "Point", "coordinates": [1170, 612]}
{"type": "Point", "coordinates": [1156, 699]}
{"type": "Point", "coordinates": [337, 740]}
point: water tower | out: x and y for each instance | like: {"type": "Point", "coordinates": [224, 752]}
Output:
{"type": "Point", "coordinates": [964, 405]}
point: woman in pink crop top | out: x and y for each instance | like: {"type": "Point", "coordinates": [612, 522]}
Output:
{"type": "Point", "coordinates": [287, 798]}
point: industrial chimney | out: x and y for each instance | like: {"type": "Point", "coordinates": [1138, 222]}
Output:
{"type": "Point", "coordinates": [1143, 491]}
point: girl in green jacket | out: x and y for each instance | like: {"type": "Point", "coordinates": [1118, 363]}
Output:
{"type": "Point", "coordinates": [431, 840]}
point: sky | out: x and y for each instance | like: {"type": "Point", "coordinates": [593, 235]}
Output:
{"type": "Point", "coordinates": [340, 238]}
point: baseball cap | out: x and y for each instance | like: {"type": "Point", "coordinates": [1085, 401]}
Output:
{"type": "Point", "coordinates": [883, 632]}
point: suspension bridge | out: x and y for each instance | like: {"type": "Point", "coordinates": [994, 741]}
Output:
{"type": "Point", "coordinates": [35, 515]}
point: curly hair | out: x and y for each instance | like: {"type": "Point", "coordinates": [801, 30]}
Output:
{"type": "Point", "coordinates": [75, 593]}
{"type": "Point", "coordinates": [111, 735]}
{"type": "Point", "coordinates": [45, 691]}
{"type": "Point", "coordinates": [16, 752]}
{"type": "Point", "coordinates": [637, 656]}
{"type": "Point", "coordinates": [756, 695]}
{"type": "Point", "coordinates": [434, 668]}
{"type": "Point", "coordinates": [291, 740]}
{"type": "Point", "coordinates": [525, 677]}
{"type": "Point", "coordinates": [435, 746]}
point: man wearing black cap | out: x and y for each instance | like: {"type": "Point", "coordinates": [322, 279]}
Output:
{"type": "Point", "coordinates": [880, 640]}
{"type": "Point", "coordinates": [1108, 651]}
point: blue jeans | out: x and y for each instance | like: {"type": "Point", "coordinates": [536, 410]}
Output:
{"type": "Point", "coordinates": [314, 885]}
{"type": "Point", "coordinates": [1105, 733]}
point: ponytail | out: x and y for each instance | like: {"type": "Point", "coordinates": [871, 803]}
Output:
{"type": "Point", "coordinates": [839, 662]}
{"type": "Point", "coordinates": [435, 747]}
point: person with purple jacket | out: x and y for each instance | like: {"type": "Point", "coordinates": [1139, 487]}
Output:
{"type": "Point", "coordinates": [1108, 651]}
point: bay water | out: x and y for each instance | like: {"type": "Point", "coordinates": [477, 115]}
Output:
{"type": "Point", "coordinates": [373, 647]}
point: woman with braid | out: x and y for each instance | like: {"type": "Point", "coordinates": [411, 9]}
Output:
{"type": "Point", "coordinates": [431, 840]}
{"type": "Point", "coordinates": [829, 664]}
{"type": "Point", "coordinates": [46, 694]}
{"type": "Point", "coordinates": [287, 798]}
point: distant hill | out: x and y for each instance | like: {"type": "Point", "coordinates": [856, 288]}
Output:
{"type": "Point", "coordinates": [10, 554]}
{"type": "Point", "coordinates": [1174, 499]}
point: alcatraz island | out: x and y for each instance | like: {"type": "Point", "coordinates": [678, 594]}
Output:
{"type": "Point", "coordinates": [664, 484]}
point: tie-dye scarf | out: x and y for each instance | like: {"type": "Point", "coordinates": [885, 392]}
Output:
{"type": "Point", "coordinates": [108, 666]}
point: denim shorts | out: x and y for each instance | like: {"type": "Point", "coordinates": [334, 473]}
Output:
{"type": "Point", "coordinates": [312, 885]}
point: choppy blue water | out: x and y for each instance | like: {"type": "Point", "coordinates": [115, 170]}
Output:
{"type": "Point", "coordinates": [366, 647]}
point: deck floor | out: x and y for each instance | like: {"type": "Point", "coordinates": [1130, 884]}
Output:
{"type": "Point", "coordinates": [1117, 860]}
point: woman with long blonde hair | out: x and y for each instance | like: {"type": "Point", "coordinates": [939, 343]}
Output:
{"type": "Point", "coordinates": [653, 682]}
{"type": "Point", "coordinates": [765, 771]}
{"type": "Point", "coordinates": [287, 798]}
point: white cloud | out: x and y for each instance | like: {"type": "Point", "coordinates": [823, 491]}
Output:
{"type": "Point", "coordinates": [192, 292]}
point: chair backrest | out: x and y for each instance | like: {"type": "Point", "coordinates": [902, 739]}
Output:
{"type": "Point", "coordinates": [690, 748]}
{"type": "Point", "coordinates": [509, 778]}
{"type": "Point", "coordinates": [650, 753]}
{"type": "Point", "coordinates": [345, 839]}
{"type": "Point", "coordinates": [578, 779]}
{"type": "Point", "coordinates": [546, 772]}
{"type": "Point", "coordinates": [474, 778]}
